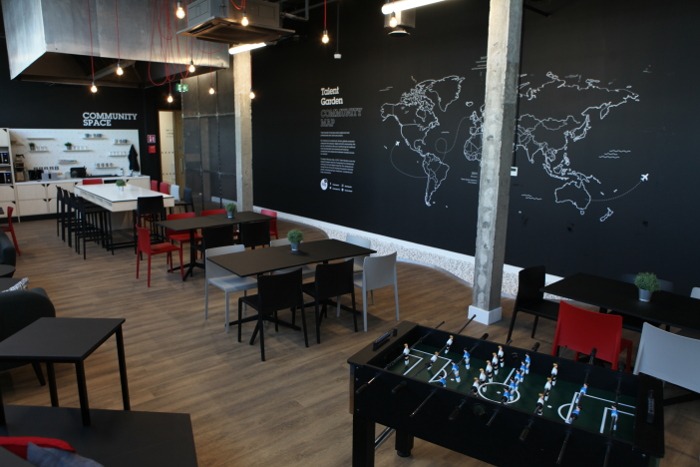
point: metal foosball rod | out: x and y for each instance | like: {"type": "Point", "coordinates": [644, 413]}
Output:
{"type": "Point", "coordinates": [364, 386]}
{"type": "Point", "coordinates": [422, 404]}
{"type": "Point", "coordinates": [563, 446]}
{"type": "Point", "coordinates": [455, 413]}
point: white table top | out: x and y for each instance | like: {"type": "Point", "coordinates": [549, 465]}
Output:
{"type": "Point", "coordinates": [112, 198]}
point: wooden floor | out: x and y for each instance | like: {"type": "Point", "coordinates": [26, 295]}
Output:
{"type": "Point", "coordinates": [291, 410]}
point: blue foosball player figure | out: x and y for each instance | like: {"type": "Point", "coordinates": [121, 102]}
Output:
{"type": "Point", "coordinates": [613, 416]}
{"type": "Point", "coordinates": [455, 372]}
{"type": "Point", "coordinates": [582, 392]}
{"type": "Point", "coordinates": [574, 415]}
{"type": "Point", "coordinates": [466, 358]}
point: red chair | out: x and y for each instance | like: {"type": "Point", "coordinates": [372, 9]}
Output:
{"type": "Point", "coordinates": [582, 330]}
{"type": "Point", "coordinates": [144, 245]}
{"type": "Point", "coordinates": [11, 229]}
{"type": "Point", "coordinates": [93, 181]}
{"type": "Point", "coordinates": [180, 238]}
{"type": "Point", "coordinates": [154, 185]}
{"type": "Point", "coordinates": [212, 212]}
{"type": "Point", "coordinates": [273, 221]}
{"type": "Point", "coordinates": [165, 188]}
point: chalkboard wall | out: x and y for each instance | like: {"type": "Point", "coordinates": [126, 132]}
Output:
{"type": "Point", "coordinates": [387, 138]}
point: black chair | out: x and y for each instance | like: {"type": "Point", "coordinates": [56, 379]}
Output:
{"type": "Point", "coordinates": [275, 292]}
{"type": "Point", "coordinates": [19, 309]}
{"type": "Point", "coordinates": [187, 201]}
{"type": "Point", "coordinates": [330, 282]}
{"type": "Point", "coordinates": [254, 234]}
{"type": "Point", "coordinates": [89, 222]}
{"type": "Point", "coordinates": [149, 210]}
{"type": "Point", "coordinates": [530, 298]}
{"type": "Point", "coordinates": [213, 237]}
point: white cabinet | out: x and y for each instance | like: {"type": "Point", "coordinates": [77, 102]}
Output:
{"type": "Point", "coordinates": [32, 199]}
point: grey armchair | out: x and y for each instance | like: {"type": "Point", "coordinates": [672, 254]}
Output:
{"type": "Point", "coordinates": [18, 309]}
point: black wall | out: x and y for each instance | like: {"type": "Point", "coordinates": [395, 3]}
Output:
{"type": "Point", "coordinates": [606, 172]}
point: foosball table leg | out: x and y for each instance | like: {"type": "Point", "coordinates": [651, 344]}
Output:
{"type": "Point", "coordinates": [404, 443]}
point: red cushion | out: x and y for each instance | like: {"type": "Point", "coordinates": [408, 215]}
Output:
{"type": "Point", "coordinates": [18, 444]}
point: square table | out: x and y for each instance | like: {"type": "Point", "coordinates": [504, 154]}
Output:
{"type": "Point", "coordinates": [665, 308]}
{"type": "Point", "coordinates": [192, 224]}
{"type": "Point", "coordinates": [65, 340]}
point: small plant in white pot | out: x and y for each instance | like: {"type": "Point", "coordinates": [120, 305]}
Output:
{"type": "Point", "coordinates": [120, 184]}
{"type": "Point", "coordinates": [647, 283]}
{"type": "Point", "coordinates": [295, 237]}
{"type": "Point", "coordinates": [230, 210]}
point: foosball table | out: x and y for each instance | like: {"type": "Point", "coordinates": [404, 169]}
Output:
{"type": "Point", "coordinates": [503, 405]}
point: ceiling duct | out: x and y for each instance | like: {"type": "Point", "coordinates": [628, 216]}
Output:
{"type": "Point", "coordinates": [60, 41]}
{"type": "Point", "coordinates": [220, 21]}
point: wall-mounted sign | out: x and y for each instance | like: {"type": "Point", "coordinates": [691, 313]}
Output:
{"type": "Point", "coordinates": [151, 139]}
{"type": "Point", "coordinates": [102, 119]}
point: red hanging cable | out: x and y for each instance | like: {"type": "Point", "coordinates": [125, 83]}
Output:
{"type": "Point", "coordinates": [116, 8]}
{"type": "Point", "coordinates": [92, 57]}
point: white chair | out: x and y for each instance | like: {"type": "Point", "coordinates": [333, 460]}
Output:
{"type": "Point", "coordinates": [378, 272]}
{"type": "Point", "coordinates": [359, 241]}
{"type": "Point", "coordinates": [224, 279]}
{"type": "Point", "coordinates": [695, 293]}
{"type": "Point", "coordinates": [175, 192]}
{"type": "Point", "coordinates": [669, 357]}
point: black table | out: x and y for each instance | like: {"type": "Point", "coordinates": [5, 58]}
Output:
{"type": "Point", "coordinates": [665, 308]}
{"type": "Point", "coordinates": [265, 260]}
{"type": "Point", "coordinates": [192, 224]}
{"type": "Point", "coordinates": [65, 340]}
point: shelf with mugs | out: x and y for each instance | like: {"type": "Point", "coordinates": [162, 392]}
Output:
{"type": "Point", "coordinates": [38, 138]}
{"type": "Point", "coordinates": [117, 154]}
{"type": "Point", "coordinates": [106, 165]}
{"type": "Point", "coordinates": [67, 161]}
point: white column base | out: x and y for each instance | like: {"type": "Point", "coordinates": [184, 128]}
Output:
{"type": "Point", "coordinates": [485, 316]}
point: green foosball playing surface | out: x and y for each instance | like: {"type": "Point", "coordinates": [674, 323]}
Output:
{"type": "Point", "coordinates": [595, 406]}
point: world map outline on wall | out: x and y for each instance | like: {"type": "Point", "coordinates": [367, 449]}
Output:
{"type": "Point", "coordinates": [547, 140]}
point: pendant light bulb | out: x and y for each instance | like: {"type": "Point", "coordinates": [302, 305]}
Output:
{"type": "Point", "coordinates": [212, 91]}
{"type": "Point", "coordinates": [244, 21]}
{"type": "Point", "coordinates": [393, 22]}
{"type": "Point", "coordinates": [252, 94]}
{"type": "Point", "coordinates": [325, 39]}
{"type": "Point", "coordinates": [191, 68]}
{"type": "Point", "coordinates": [120, 70]}
{"type": "Point", "coordinates": [180, 12]}
{"type": "Point", "coordinates": [170, 99]}
{"type": "Point", "coordinates": [93, 88]}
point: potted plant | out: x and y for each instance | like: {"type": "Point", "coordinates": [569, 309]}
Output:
{"type": "Point", "coordinates": [230, 210]}
{"type": "Point", "coordinates": [68, 146]}
{"type": "Point", "coordinates": [121, 184]}
{"type": "Point", "coordinates": [295, 236]}
{"type": "Point", "coordinates": [647, 284]}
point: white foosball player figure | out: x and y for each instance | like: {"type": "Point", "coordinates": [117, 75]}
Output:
{"type": "Point", "coordinates": [501, 356]}
{"type": "Point", "coordinates": [433, 359]}
{"type": "Point", "coordinates": [494, 362]}
{"type": "Point", "coordinates": [540, 404]}
{"type": "Point", "coordinates": [406, 353]}
{"type": "Point", "coordinates": [547, 388]}
{"type": "Point", "coordinates": [482, 376]}
{"type": "Point", "coordinates": [489, 371]}
{"type": "Point", "coordinates": [554, 373]}
{"type": "Point", "coordinates": [449, 342]}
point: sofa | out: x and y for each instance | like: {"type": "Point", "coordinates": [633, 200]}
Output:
{"type": "Point", "coordinates": [8, 255]}
{"type": "Point", "coordinates": [18, 309]}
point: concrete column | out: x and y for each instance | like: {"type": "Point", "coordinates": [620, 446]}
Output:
{"type": "Point", "coordinates": [502, 69]}
{"type": "Point", "coordinates": [242, 84]}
